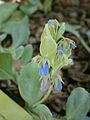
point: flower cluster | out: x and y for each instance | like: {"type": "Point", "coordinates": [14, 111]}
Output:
{"type": "Point", "coordinates": [45, 84]}
{"type": "Point", "coordinates": [57, 48]}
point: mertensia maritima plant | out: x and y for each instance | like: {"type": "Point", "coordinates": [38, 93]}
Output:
{"type": "Point", "coordinates": [38, 76]}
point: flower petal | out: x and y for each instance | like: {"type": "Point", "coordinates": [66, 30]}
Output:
{"type": "Point", "coordinates": [61, 50]}
{"type": "Point", "coordinates": [49, 23]}
{"type": "Point", "coordinates": [73, 46]}
{"type": "Point", "coordinates": [45, 85]}
{"type": "Point", "coordinates": [44, 69]}
{"type": "Point", "coordinates": [58, 86]}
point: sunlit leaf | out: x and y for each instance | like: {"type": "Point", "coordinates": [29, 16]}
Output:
{"type": "Point", "coordinates": [9, 110]}
{"type": "Point", "coordinates": [48, 46]}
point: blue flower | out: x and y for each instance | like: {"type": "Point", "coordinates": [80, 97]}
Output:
{"type": "Point", "coordinates": [54, 114]}
{"type": "Point", "coordinates": [45, 85]}
{"type": "Point", "coordinates": [61, 50]}
{"type": "Point", "coordinates": [49, 23]}
{"type": "Point", "coordinates": [58, 86]}
{"type": "Point", "coordinates": [52, 22]}
{"type": "Point", "coordinates": [44, 69]}
{"type": "Point", "coordinates": [73, 46]}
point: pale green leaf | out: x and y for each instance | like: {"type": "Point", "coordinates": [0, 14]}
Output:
{"type": "Point", "coordinates": [43, 112]}
{"type": "Point", "coordinates": [78, 104]}
{"type": "Point", "coordinates": [48, 46]}
{"type": "Point", "coordinates": [29, 10]}
{"type": "Point", "coordinates": [47, 7]}
{"type": "Point", "coordinates": [87, 118]}
{"type": "Point", "coordinates": [60, 31]}
{"type": "Point", "coordinates": [63, 118]}
{"type": "Point", "coordinates": [3, 36]}
{"type": "Point", "coordinates": [6, 71]}
{"type": "Point", "coordinates": [27, 54]}
{"type": "Point", "coordinates": [17, 15]}
{"type": "Point", "coordinates": [29, 83]}
{"type": "Point", "coordinates": [73, 29]}
{"type": "Point", "coordinates": [19, 29]}
{"type": "Point", "coordinates": [36, 3]}
{"type": "Point", "coordinates": [33, 2]}
{"type": "Point", "coordinates": [6, 9]}
{"type": "Point", "coordinates": [19, 52]}
{"type": "Point", "coordinates": [29, 110]}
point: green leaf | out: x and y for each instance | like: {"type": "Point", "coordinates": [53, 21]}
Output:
{"type": "Point", "coordinates": [63, 118]}
{"type": "Point", "coordinates": [29, 110]}
{"type": "Point", "coordinates": [47, 7]}
{"type": "Point", "coordinates": [35, 117]}
{"type": "Point", "coordinates": [53, 26]}
{"type": "Point", "coordinates": [73, 29]}
{"type": "Point", "coordinates": [17, 15]}
{"type": "Point", "coordinates": [29, 10]}
{"type": "Point", "coordinates": [59, 62]}
{"type": "Point", "coordinates": [36, 3]}
{"type": "Point", "coordinates": [3, 36]}
{"type": "Point", "coordinates": [87, 118]}
{"type": "Point", "coordinates": [29, 83]}
{"type": "Point", "coordinates": [70, 27]}
{"type": "Point", "coordinates": [31, 6]}
{"type": "Point", "coordinates": [27, 54]}
{"type": "Point", "coordinates": [55, 119]}
{"type": "Point", "coordinates": [19, 52]}
{"type": "Point", "coordinates": [56, 29]}
{"type": "Point", "coordinates": [19, 29]}
{"type": "Point", "coordinates": [78, 104]}
{"type": "Point", "coordinates": [48, 46]}
{"type": "Point", "coordinates": [60, 31]}
{"type": "Point", "coordinates": [9, 110]}
{"type": "Point", "coordinates": [33, 2]}
{"type": "Point", "coordinates": [6, 71]}
{"type": "Point", "coordinates": [43, 112]}
{"type": "Point", "coordinates": [6, 9]}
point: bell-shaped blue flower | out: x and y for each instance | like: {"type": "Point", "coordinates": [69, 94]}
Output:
{"type": "Point", "coordinates": [61, 50]}
{"type": "Point", "coordinates": [44, 69]}
{"type": "Point", "coordinates": [49, 22]}
{"type": "Point", "coordinates": [45, 85]}
{"type": "Point", "coordinates": [73, 46]}
{"type": "Point", "coordinates": [58, 86]}
{"type": "Point", "coordinates": [52, 22]}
